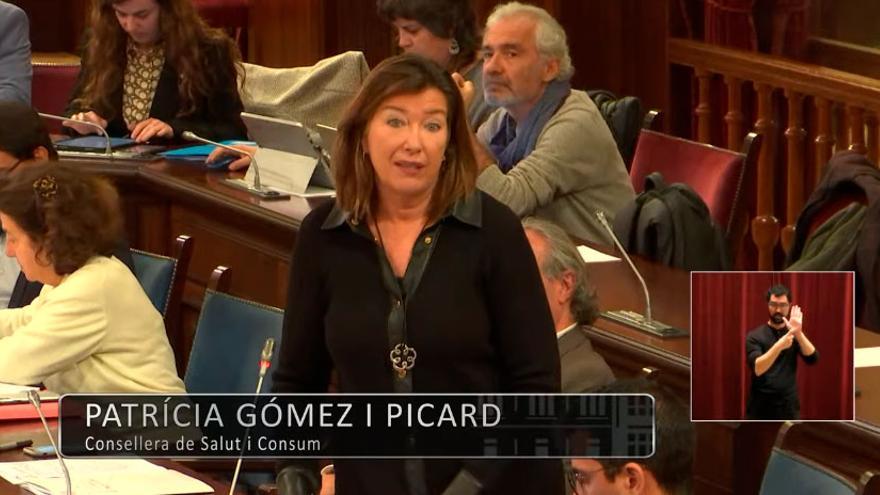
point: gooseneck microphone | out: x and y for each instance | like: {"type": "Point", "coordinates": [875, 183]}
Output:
{"type": "Point", "coordinates": [108, 150]}
{"type": "Point", "coordinates": [265, 363]}
{"type": "Point", "coordinates": [257, 187]}
{"type": "Point", "coordinates": [34, 398]}
{"type": "Point", "coordinates": [633, 319]}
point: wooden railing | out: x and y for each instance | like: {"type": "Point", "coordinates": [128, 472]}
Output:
{"type": "Point", "coordinates": [822, 111]}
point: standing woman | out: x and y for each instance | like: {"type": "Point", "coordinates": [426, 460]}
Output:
{"type": "Point", "coordinates": [153, 69]}
{"type": "Point", "coordinates": [446, 32]}
{"type": "Point", "coordinates": [411, 281]}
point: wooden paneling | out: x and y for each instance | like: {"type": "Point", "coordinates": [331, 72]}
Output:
{"type": "Point", "coordinates": [844, 56]}
{"type": "Point", "coordinates": [730, 457]}
{"type": "Point", "coordinates": [619, 46]}
{"type": "Point", "coordinates": [284, 33]}
{"type": "Point", "coordinates": [56, 25]}
{"type": "Point", "coordinates": [354, 25]}
{"type": "Point", "coordinates": [260, 270]}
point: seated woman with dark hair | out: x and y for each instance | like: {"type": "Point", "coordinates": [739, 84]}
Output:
{"type": "Point", "coordinates": [446, 32]}
{"type": "Point", "coordinates": [24, 140]}
{"type": "Point", "coordinates": [153, 69]}
{"type": "Point", "coordinates": [92, 328]}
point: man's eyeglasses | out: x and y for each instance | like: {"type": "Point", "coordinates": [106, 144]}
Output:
{"type": "Point", "coordinates": [579, 480]}
{"type": "Point", "coordinates": [778, 305]}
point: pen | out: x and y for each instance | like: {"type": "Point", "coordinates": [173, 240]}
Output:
{"type": "Point", "coordinates": [15, 445]}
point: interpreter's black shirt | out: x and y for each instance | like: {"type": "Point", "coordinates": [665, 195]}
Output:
{"type": "Point", "coordinates": [781, 379]}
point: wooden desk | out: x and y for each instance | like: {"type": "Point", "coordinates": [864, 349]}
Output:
{"type": "Point", "coordinates": [255, 238]}
{"type": "Point", "coordinates": [12, 431]}
{"type": "Point", "coordinates": [626, 350]}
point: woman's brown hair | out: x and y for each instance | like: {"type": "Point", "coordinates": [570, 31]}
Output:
{"type": "Point", "coordinates": [68, 215]}
{"type": "Point", "coordinates": [352, 169]}
{"type": "Point", "coordinates": [185, 38]}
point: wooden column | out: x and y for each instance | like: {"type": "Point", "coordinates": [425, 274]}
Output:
{"type": "Point", "coordinates": [841, 126]}
{"type": "Point", "coordinates": [734, 118]}
{"type": "Point", "coordinates": [871, 130]}
{"type": "Point", "coordinates": [704, 107]}
{"type": "Point", "coordinates": [794, 137]}
{"type": "Point", "coordinates": [765, 226]}
{"type": "Point", "coordinates": [824, 141]}
{"type": "Point", "coordinates": [856, 119]}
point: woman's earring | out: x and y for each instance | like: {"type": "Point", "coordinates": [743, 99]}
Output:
{"type": "Point", "coordinates": [454, 48]}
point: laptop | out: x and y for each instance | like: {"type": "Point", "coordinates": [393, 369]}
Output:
{"type": "Point", "coordinates": [287, 156]}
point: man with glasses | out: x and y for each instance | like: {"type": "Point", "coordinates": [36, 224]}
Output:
{"type": "Point", "coordinates": [667, 472]}
{"type": "Point", "coordinates": [772, 352]}
{"type": "Point", "coordinates": [23, 139]}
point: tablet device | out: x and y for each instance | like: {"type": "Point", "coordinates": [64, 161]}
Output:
{"type": "Point", "coordinates": [92, 143]}
{"type": "Point", "coordinates": [279, 134]}
{"type": "Point", "coordinates": [290, 137]}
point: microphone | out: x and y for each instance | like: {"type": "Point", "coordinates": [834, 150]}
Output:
{"type": "Point", "coordinates": [34, 398]}
{"type": "Point", "coordinates": [265, 363]}
{"type": "Point", "coordinates": [630, 318]}
{"type": "Point", "coordinates": [265, 360]}
{"type": "Point", "coordinates": [257, 187]}
{"type": "Point", "coordinates": [108, 150]}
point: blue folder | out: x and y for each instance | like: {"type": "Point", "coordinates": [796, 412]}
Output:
{"type": "Point", "coordinates": [200, 152]}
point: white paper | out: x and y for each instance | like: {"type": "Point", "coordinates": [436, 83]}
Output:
{"type": "Point", "coordinates": [867, 357]}
{"type": "Point", "coordinates": [288, 172]}
{"type": "Point", "coordinates": [101, 477]}
{"type": "Point", "coordinates": [8, 389]}
{"type": "Point", "coordinates": [316, 192]}
{"type": "Point", "coordinates": [14, 393]}
{"type": "Point", "coordinates": [590, 255]}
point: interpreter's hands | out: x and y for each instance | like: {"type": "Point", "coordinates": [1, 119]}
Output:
{"type": "Point", "coordinates": [786, 341]}
{"type": "Point", "coordinates": [239, 164]}
{"type": "Point", "coordinates": [795, 324]}
{"type": "Point", "coordinates": [145, 130]}
{"type": "Point", "coordinates": [85, 117]}
{"type": "Point", "coordinates": [465, 87]}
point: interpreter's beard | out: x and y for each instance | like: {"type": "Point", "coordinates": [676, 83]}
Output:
{"type": "Point", "coordinates": [777, 318]}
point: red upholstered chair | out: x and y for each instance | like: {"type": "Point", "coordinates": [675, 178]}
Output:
{"type": "Point", "coordinates": [51, 88]}
{"type": "Point", "coordinates": [724, 179]}
{"type": "Point", "coordinates": [230, 15]}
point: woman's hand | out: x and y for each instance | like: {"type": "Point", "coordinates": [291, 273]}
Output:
{"type": "Point", "coordinates": [145, 130]}
{"type": "Point", "coordinates": [85, 117]}
{"type": "Point", "coordinates": [238, 164]}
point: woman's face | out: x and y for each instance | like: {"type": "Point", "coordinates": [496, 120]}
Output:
{"type": "Point", "coordinates": [413, 37]}
{"type": "Point", "coordinates": [139, 19]}
{"type": "Point", "coordinates": [406, 140]}
{"type": "Point", "coordinates": [20, 246]}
